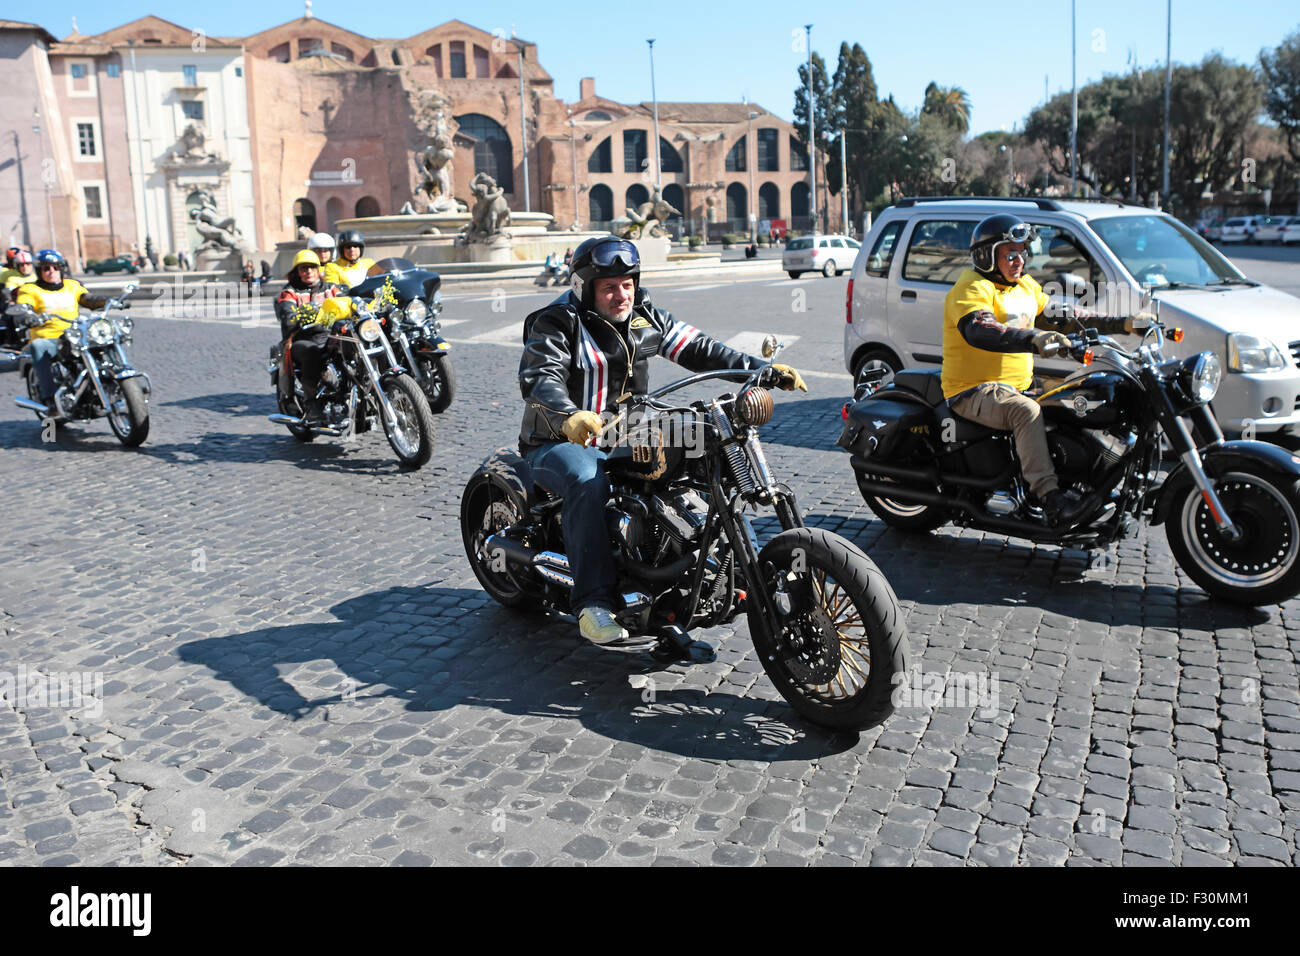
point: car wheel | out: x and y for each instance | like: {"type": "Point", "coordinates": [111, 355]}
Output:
{"type": "Point", "coordinates": [793, 274]}
{"type": "Point", "coordinates": [874, 369]}
{"type": "Point", "coordinates": [828, 270]}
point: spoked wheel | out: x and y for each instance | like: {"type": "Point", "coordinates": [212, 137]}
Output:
{"type": "Point", "coordinates": [1261, 567]}
{"type": "Point", "coordinates": [292, 406]}
{"type": "Point", "coordinates": [128, 412]}
{"type": "Point", "coordinates": [34, 391]}
{"type": "Point", "coordinates": [439, 381]}
{"type": "Point", "coordinates": [903, 515]}
{"type": "Point", "coordinates": [491, 502]}
{"type": "Point", "coordinates": [412, 434]}
{"type": "Point", "coordinates": [840, 636]}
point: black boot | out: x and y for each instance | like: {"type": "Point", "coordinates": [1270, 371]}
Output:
{"type": "Point", "coordinates": [314, 413]}
{"type": "Point", "coordinates": [1064, 508]}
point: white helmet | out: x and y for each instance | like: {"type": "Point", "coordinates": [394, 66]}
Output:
{"type": "Point", "coordinates": [320, 242]}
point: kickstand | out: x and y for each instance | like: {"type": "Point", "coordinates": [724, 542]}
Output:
{"type": "Point", "coordinates": [676, 645]}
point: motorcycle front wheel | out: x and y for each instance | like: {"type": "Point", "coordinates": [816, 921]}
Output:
{"type": "Point", "coordinates": [1262, 566]}
{"type": "Point", "coordinates": [439, 382]}
{"type": "Point", "coordinates": [34, 391]}
{"type": "Point", "coordinates": [841, 638]}
{"type": "Point", "coordinates": [412, 434]}
{"type": "Point", "coordinates": [128, 412]}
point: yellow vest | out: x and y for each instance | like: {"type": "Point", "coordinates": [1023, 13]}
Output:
{"type": "Point", "coordinates": [339, 273]}
{"type": "Point", "coordinates": [965, 366]}
{"type": "Point", "coordinates": [61, 304]}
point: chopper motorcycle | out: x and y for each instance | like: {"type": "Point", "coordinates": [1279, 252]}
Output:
{"type": "Point", "coordinates": [408, 301]}
{"type": "Point", "coordinates": [1229, 508]}
{"type": "Point", "coordinates": [362, 381]}
{"type": "Point", "coordinates": [93, 377]}
{"type": "Point", "coordinates": [825, 623]}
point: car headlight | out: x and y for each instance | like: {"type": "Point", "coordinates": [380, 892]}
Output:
{"type": "Point", "coordinates": [369, 330]}
{"type": "Point", "coordinates": [416, 311]}
{"type": "Point", "coordinates": [1201, 375]}
{"type": "Point", "coordinates": [100, 332]}
{"type": "Point", "coordinates": [1251, 353]}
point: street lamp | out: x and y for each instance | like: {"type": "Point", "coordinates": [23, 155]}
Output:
{"type": "Point", "coordinates": [749, 140]}
{"type": "Point", "coordinates": [1011, 167]}
{"type": "Point", "coordinates": [573, 158]}
{"type": "Point", "coordinates": [812, 130]}
{"type": "Point", "coordinates": [654, 100]}
{"type": "Point", "coordinates": [523, 124]}
{"type": "Point", "coordinates": [139, 137]}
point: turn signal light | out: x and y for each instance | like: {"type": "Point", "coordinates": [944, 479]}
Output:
{"type": "Point", "coordinates": [1087, 357]}
{"type": "Point", "coordinates": [1176, 335]}
{"type": "Point", "coordinates": [844, 412]}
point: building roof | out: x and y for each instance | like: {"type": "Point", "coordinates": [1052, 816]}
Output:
{"type": "Point", "coordinates": [713, 113]}
{"type": "Point", "coordinates": [45, 34]}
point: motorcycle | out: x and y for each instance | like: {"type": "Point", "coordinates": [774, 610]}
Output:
{"type": "Point", "coordinates": [408, 302]}
{"type": "Point", "coordinates": [362, 381]}
{"type": "Point", "coordinates": [93, 377]}
{"type": "Point", "coordinates": [1229, 508]}
{"type": "Point", "coordinates": [825, 622]}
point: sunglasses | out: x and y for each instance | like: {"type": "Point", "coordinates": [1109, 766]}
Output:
{"type": "Point", "coordinates": [1022, 256]}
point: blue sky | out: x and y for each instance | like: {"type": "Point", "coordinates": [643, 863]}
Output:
{"type": "Point", "coordinates": [1000, 53]}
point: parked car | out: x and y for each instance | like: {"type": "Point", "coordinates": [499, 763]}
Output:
{"type": "Point", "coordinates": [1209, 227]}
{"type": "Point", "coordinates": [1114, 253]}
{"type": "Point", "coordinates": [1290, 232]}
{"type": "Point", "coordinates": [1270, 228]}
{"type": "Point", "coordinates": [1240, 229]}
{"type": "Point", "coordinates": [115, 264]}
{"type": "Point", "coordinates": [829, 255]}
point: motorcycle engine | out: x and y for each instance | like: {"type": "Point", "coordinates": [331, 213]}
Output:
{"type": "Point", "coordinates": [1071, 456]}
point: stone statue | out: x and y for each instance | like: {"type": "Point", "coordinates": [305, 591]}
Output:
{"type": "Point", "coordinates": [191, 146]}
{"type": "Point", "coordinates": [649, 217]}
{"type": "Point", "coordinates": [435, 161]}
{"type": "Point", "coordinates": [491, 213]}
{"type": "Point", "coordinates": [220, 236]}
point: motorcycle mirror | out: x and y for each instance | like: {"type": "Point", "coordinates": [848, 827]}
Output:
{"type": "Point", "coordinates": [769, 345]}
{"type": "Point", "coordinates": [131, 287]}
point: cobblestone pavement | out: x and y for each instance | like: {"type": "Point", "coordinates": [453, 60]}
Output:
{"type": "Point", "coordinates": [299, 667]}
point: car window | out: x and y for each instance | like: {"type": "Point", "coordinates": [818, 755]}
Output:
{"type": "Point", "coordinates": [1158, 250]}
{"type": "Point", "coordinates": [823, 244]}
{"type": "Point", "coordinates": [882, 253]}
{"type": "Point", "coordinates": [1057, 252]}
{"type": "Point", "coordinates": [1233, 222]}
{"type": "Point", "coordinates": [853, 243]}
{"type": "Point", "coordinates": [837, 243]}
{"type": "Point", "coordinates": [797, 244]}
{"type": "Point", "coordinates": [939, 251]}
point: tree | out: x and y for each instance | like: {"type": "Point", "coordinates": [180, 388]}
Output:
{"type": "Point", "coordinates": [1213, 108]}
{"type": "Point", "coordinates": [951, 104]}
{"type": "Point", "coordinates": [1281, 72]}
{"type": "Point", "coordinates": [854, 98]}
{"type": "Point", "coordinates": [824, 113]}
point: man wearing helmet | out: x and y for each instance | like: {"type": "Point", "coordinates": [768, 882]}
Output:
{"type": "Point", "coordinates": [296, 308]}
{"type": "Point", "coordinates": [18, 271]}
{"type": "Point", "coordinates": [582, 353]}
{"type": "Point", "coordinates": [322, 243]}
{"type": "Point", "coordinates": [351, 266]}
{"type": "Point", "coordinates": [59, 300]}
{"type": "Point", "coordinates": [993, 323]}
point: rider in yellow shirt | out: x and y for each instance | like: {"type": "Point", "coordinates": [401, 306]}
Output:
{"type": "Point", "coordinates": [58, 300]}
{"type": "Point", "coordinates": [351, 266]}
{"type": "Point", "coordinates": [18, 271]}
{"type": "Point", "coordinates": [991, 330]}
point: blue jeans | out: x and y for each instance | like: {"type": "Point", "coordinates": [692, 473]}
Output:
{"type": "Point", "coordinates": [577, 474]}
{"type": "Point", "coordinates": [43, 352]}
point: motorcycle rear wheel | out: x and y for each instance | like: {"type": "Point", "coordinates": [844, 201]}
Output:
{"type": "Point", "coordinates": [903, 515]}
{"type": "Point", "coordinates": [412, 436]}
{"type": "Point", "coordinates": [34, 391]}
{"type": "Point", "coordinates": [851, 592]}
{"type": "Point", "coordinates": [289, 406]}
{"type": "Point", "coordinates": [494, 498]}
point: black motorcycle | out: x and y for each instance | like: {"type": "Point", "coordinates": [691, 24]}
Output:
{"type": "Point", "coordinates": [1229, 507]}
{"type": "Point", "coordinates": [362, 382]}
{"type": "Point", "coordinates": [408, 302]}
{"type": "Point", "coordinates": [825, 622]}
{"type": "Point", "coordinates": [93, 377]}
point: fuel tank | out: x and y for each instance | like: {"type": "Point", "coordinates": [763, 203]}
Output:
{"type": "Point", "coordinates": [1097, 399]}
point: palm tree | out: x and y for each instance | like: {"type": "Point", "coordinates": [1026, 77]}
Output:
{"type": "Point", "coordinates": [949, 103]}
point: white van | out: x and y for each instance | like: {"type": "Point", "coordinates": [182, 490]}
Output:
{"type": "Point", "coordinates": [918, 247]}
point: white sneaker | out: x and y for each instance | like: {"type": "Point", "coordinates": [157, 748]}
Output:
{"type": "Point", "coordinates": [597, 625]}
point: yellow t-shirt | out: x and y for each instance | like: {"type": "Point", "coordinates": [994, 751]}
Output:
{"type": "Point", "coordinates": [61, 305]}
{"type": "Point", "coordinates": [12, 278]}
{"type": "Point", "coordinates": [340, 273]}
{"type": "Point", "coordinates": [965, 366]}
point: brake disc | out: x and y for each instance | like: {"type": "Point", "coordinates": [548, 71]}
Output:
{"type": "Point", "coordinates": [812, 646]}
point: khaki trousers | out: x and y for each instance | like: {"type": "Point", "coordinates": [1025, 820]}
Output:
{"type": "Point", "coordinates": [996, 405]}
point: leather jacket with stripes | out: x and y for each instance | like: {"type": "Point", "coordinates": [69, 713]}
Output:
{"type": "Point", "coordinates": [577, 360]}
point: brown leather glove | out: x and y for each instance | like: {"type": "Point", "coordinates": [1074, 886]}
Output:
{"type": "Point", "coordinates": [1050, 343]}
{"type": "Point", "coordinates": [789, 379]}
{"type": "Point", "coordinates": [580, 426]}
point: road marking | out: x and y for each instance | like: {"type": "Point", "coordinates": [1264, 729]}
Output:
{"type": "Point", "coordinates": [511, 335]}
{"type": "Point", "coordinates": [752, 342]}
{"type": "Point", "coordinates": [697, 288]}
{"type": "Point", "coordinates": [446, 322]}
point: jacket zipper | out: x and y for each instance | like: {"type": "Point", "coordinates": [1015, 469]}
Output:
{"type": "Point", "coordinates": [626, 348]}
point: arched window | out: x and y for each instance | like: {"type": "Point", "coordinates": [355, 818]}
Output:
{"type": "Point", "coordinates": [798, 155]}
{"type": "Point", "coordinates": [333, 212]}
{"type": "Point", "coordinates": [674, 197]}
{"type": "Point", "coordinates": [304, 214]}
{"type": "Point", "coordinates": [457, 59]}
{"type": "Point", "coordinates": [338, 49]}
{"type": "Point", "coordinates": [367, 206]}
{"type": "Point", "coordinates": [597, 116]}
{"type": "Point", "coordinates": [737, 202]}
{"type": "Point", "coordinates": [492, 153]}
{"type": "Point", "coordinates": [601, 161]}
{"type": "Point", "coordinates": [736, 157]}
{"type": "Point", "coordinates": [636, 195]}
{"type": "Point", "coordinates": [670, 161]}
{"type": "Point", "coordinates": [768, 161]}
{"type": "Point", "coordinates": [279, 54]}
{"type": "Point", "coordinates": [769, 201]}
{"type": "Point", "coordinates": [799, 201]}
{"type": "Point", "coordinates": [307, 46]}
{"type": "Point", "coordinates": [600, 203]}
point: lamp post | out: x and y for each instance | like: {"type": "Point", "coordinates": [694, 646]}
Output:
{"type": "Point", "coordinates": [654, 101]}
{"type": "Point", "coordinates": [139, 138]}
{"type": "Point", "coordinates": [1074, 105]}
{"type": "Point", "coordinates": [812, 131]}
{"type": "Point", "coordinates": [573, 158]}
{"type": "Point", "coordinates": [45, 180]}
{"type": "Point", "coordinates": [749, 141]}
{"type": "Point", "coordinates": [523, 124]}
{"type": "Point", "coordinates": [844, 183]}
{"type": "Point", "coordinates": [1011, 167]}
{"type": "Point", "coordinates": [1169, 78]}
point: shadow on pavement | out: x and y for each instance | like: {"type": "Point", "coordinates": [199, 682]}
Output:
{"type": "Point", "coordinates": [514, 663]}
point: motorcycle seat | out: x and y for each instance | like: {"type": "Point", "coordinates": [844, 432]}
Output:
{"type": "Point", "coordinates": [965, 430]}
{"type": "Point", "coordinates": [923, 381]}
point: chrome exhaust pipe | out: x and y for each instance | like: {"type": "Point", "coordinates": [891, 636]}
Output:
{"type": "Point", "coordinates": [290, 420]}
{"type": "Point", "coordinates": [30, 405]}
{"type": "Point", "coordinates": [549, 565]}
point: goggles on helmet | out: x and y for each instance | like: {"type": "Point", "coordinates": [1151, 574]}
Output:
{"type": "Point", "coordinates": [606, 254]}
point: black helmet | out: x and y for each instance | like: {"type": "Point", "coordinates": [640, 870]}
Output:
{"type": "Point", "coordinates": [601, 258]}
{"type": "Point", "coordinates": [991, 233]}
{"type": "Point", "coordinates": [350, 237]}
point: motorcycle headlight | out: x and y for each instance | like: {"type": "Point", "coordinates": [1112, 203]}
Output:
{"type": "Point", "coordinates": [436, 305]}
{"type": "Point", "coordinates": [369, 330]}
{"type": "Point", "coordinates": [416, 311]}
{"type": "Point", "coordinates": [1201, 375]}
{"type": "Point", "coordinates": [1251, 353]}
{"type": "Point", "coordinates": [100, 332]}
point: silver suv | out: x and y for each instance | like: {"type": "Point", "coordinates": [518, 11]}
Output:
{"type": "Point", "coordinates": [1101, 255]}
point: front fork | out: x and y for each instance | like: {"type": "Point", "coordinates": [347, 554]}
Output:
{"type": "Point", "coordinates": [376, 380]}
